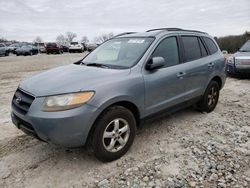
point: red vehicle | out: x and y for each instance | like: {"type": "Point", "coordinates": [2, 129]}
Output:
{"type": "Point", "coordinates": [53, 48]}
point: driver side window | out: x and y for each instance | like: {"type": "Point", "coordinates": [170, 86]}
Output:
{"type": "Point", "coordinates": [168, 49]}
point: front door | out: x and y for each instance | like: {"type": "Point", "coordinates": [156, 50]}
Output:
{"type": "Point", "coordinates": [165, 86]}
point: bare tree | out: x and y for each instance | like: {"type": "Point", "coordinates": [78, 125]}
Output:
{"type": "Point", "coordinates": [61, 39]}
{"type": "Point", "coordinates": [38, 39]}
{"type": "Point", "coordinates": [70, 36]}
{"type": "Point", "coordinates": [102, 38]}
{"type": "Point", "coordinates": [85, 39]}
{"type": "Point", "coordinates": [3, 39]}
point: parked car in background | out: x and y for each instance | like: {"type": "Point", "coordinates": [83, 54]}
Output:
{"type": "Point", "coordinates": [65, 48]}
{"type": "Point", "coordinates": [54, 48]}
{"type": "Point", "coordinates": [91, 46]}
{"type": "Point", "coordinates": [4, 50]}
{"type": "Point", "coordinates": [13, 47]}
{"type": "Point", "coordinates": [26, 50]}
{"type": "Point", "coordinates": [239, 63]}
{"type": "Point", "coordinates": [76, 47]}
{"type": "Point", "coordinates": [41, 47]}
{"type": "Point", "coordinates": [101, 99]}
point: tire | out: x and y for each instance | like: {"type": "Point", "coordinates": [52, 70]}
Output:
{"type": "Point", "coordinates": [210, 97]}
{"type": "Point", "coordinates": [103, 149]}
{"type": "Point", "coordinates": [6, 53]}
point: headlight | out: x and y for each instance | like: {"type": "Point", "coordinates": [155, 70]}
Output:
{"type": "Point", "coordinates": [66, 101]}
{"type": "Point", "coordinates": [230, 60]}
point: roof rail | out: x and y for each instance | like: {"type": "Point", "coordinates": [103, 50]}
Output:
{"type": "Point", "coordinates": [125, 33]}
{"type": "Point", "coordinates": [175, 29]}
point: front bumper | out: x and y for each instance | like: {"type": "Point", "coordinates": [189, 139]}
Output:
{"type": "Point", "coordinates": [68, 128]}
{"type": "Point", "coordinates": [239, 70]}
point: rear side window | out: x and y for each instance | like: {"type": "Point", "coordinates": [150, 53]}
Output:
{"type": "Point", "coordinates": [211, 45]}
{"type": "Point", "coordinates": [191, 48]}
{"type": "Point", "coordinates": [203, 49]}
{"type": "Point", "coordinates": [168, 49]}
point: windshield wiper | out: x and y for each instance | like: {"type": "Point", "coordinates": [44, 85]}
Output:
{"type": "Point", "coordinates": [244, 50]}
{"type": "Point", "coordinates": [96, 65]}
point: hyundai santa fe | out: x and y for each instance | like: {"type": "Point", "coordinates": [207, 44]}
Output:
{"type": "Point", "coordinates": [100, 100]}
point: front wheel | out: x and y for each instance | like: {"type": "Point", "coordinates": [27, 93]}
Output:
{"type": "Point", "coordinates": [210, 97]}
{"type": "Point", "coordinates": [114, 133]}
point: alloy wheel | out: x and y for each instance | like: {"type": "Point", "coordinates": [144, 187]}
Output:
{"type": "Point", "coordinates": [116, 135]}
{"type": "Point", "coordinates": [212, 96]}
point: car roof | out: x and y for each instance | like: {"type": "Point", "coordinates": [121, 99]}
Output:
{"type": "Point", "coordinates": [160, 31]}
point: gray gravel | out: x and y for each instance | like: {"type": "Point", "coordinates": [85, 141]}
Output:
{"type": "Point", "coordinates": [185, 149]}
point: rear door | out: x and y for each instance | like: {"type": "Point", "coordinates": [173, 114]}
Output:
{"type": "Point", "coordinates": [196, 65]}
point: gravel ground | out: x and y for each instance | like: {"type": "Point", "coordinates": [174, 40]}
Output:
{"type": "Point", "coordinates": [185, 149]}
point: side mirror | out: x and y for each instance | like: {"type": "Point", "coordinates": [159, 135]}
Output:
{"type": "Point", "coordinates": [155, 63]}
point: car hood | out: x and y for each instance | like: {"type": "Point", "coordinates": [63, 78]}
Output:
{"type": "Point", "coordinates": [70, 78]}
{"type": "Point", "coordinates": [240, 55]}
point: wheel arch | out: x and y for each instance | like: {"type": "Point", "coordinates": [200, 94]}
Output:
{"type": "Point", "coordinates": [218, 80]}
{"type": "Point", "coordinates": [124, 103]}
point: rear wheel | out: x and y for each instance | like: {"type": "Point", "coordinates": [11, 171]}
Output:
{"type": "Point", "coordinates": [7, 53]}
{"type": "Point", "coordinates": [114, 133]}
{"type": "Point", "coordinates": [210, 97]}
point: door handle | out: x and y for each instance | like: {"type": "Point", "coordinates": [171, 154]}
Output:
{"type": "Point", "coordinates": [181, 74]}
{"type": "Point", "coordinates": [211, 65]}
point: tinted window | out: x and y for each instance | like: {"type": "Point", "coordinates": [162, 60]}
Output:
{"type": "Point", "coordinates": [191, 48]}
{"type": "Point", "coordinates": [203, 49]}
{"type": "Point", "coordinates": [210, 44]}
{"type": "Point", "coordinates": [168, 49]}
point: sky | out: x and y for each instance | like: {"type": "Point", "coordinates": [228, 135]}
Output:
{"type": "Point", "coordinates": [25, 19]}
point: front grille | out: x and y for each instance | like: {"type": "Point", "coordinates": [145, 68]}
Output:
{"type": "Point", "coordinates": [22, 101]}
{"type": "Point", "coordinates": [23, 123]}
{"type": "Point", "coordinates": [239, 62]}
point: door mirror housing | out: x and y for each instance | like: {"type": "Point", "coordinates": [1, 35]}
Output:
{"type": "Point", "coordinates": [155, 63]}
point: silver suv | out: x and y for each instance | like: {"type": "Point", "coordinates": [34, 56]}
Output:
{"type": "Point", "coordinates": [239, 63]}
{"type": "Point", "coordinates": [101, 99]}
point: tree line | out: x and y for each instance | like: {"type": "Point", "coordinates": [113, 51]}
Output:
{"type": "Point", "coordinates": [230, 43]}
{"type": "Point", "coordinates": [233, 42]}
{"type": "Point", "coordinates": [68, 37]}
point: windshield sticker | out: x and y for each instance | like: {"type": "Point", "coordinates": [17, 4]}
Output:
{"type": "Point", "coordinates": [137, 41]}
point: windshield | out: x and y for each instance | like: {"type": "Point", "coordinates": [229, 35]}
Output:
{"type": "Point", "coordinates": [119, 52]}
{"type": "Point", "coordinates": [25, 47]}
{"type": "Point", "coordinates": [245, 47]}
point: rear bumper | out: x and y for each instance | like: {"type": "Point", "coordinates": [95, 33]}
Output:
{"type": "Point", "coordinates": [75, 50]}
{"type": "Point", "coordinates": [52, 50]}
